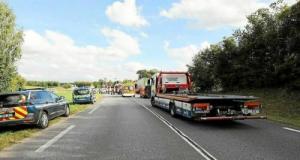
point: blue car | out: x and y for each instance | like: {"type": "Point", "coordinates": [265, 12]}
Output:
{"type": "Point", "coordinates": [83, 95]}
{"type": "Point", "coordinates": [31, 107]}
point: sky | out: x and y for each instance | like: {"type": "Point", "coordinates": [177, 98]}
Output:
{"type": "Point", "coordinates": [72, 40]}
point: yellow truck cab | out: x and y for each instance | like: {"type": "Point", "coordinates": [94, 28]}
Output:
{"type": "Point", "coordinates": [128, 90]}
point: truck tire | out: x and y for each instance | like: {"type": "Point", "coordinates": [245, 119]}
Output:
{"type": "Point", "coordinates": [153, 102]}
{"type": "Point", "coordinates": [172, 109]}
{"type": "Point", "coordinates": [43, 121]}
{"type": "Point", "coordinates": [67, 111]}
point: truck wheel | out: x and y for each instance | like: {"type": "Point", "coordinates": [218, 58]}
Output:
{"type": "Point", "coordinates": [43, 120]}
{"type": "Point", "coordinates": [172, 109]}
{"type": "Point", "coordinates": [152, 102]}
{"type": "Point", "coordinates": [67, 111]}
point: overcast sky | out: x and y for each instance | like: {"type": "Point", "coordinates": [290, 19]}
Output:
{"type": "Point", "coordinates": [88, 40]}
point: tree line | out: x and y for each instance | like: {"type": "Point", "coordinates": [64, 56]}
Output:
{"type": "Point", "coordinates": [11, 39]}
{"type": "Point", "coordinates": [264, 54]}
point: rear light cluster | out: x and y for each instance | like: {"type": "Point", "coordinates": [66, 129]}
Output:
{"type": "Point", "coordinates": [202, 106]}
{"type": "Point", "coordinates": [251, 107]}
{"type": "Point", "coordinates": [252, 104]}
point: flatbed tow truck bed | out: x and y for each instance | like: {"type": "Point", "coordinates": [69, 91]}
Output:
{"type": "Point", "coordinates": [184, 104]}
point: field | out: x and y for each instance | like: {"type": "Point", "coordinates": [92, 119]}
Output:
{"type": "Point", "coordinates": [13, 134]}
{"type": "Point", "coordinates": [280, 105]}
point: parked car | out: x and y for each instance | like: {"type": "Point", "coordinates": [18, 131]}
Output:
{"type": "Point", "coordinates": [84, 95]}
{"type": "Point", "coordinates": [35, 106]}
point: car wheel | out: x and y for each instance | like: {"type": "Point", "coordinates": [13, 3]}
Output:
{"type": "Point", "coordinates": [67, 111]}
{"type": "Point", "coordinates": [43, 120]}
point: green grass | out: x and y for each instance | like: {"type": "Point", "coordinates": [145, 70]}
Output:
{"type": "Point", "coordinates": [13, 134]}
{"type": "Point", "coordinates": [280, 105]}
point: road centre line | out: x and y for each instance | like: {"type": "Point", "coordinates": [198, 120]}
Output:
{"type": "Point", "coordinates": [53, 140]}
{"type": "Point", "coordinates": [291, 129]}
{"type": "Point", "coordinates": [183, 136]}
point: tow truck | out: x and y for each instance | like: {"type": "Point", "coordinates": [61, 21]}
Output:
{"type": "Point", "coordinates": [173, 91]}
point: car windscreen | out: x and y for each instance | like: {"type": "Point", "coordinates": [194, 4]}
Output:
{"type": "Point", "coordinates": [12, 100]}
{"type": "Point", "coordinates": [81, 92]}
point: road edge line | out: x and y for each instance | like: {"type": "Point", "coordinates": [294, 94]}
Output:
{"type": "Point", "coordinates": [291, 129]}
{"type": "Point", "coordinates": [94, 109]}
{"type": "Point", "coordinates": [205, 154]}
{"type": "Point", "coordinates": [54, 139]}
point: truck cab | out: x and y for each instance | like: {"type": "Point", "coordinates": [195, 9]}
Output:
{"type": "Point", "coordinates": [170, 82]}
{"type": "Point", "coordinates": [128, 90]}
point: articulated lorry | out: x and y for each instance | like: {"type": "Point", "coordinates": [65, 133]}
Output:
{"type": "Point", "coordinates": [172, 91]}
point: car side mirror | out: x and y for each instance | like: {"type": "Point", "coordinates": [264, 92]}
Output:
{"type": "Point", "coordinates": [60, 98]}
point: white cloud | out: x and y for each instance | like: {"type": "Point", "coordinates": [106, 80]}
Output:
{"type": "Point", "coordinates": [290, 2]}
{"type": "Point", "coordinates": [55, 56]}
{"type": "Point", "coordinates": [185, 54]}
{"type": "Point", "coordinates": [213, 13]}
{"type": "Point", "coordinates": [144, 35]}
{"type": "Point", "coordinates": [126, 13]}
{"type": "Point", "coordinates": [121, 43]}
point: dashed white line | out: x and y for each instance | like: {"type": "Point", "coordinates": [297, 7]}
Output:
{"type": "Point", "coordinates": [291, 129]}
{"type": "Point", "coordinates": [53, 140]}
{"type": "Point", "coordinates": [183, 136]}
{"type": "Point", "coordinates": [94, 109]}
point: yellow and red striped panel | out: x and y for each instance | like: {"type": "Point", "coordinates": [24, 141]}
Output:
{"type": "Point", "coordinates": [20, 113]}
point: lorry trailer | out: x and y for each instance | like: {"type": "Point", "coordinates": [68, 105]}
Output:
{"type": "Point", "coordinates": [172, 91]}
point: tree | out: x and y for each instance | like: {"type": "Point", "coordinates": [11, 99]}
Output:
{"type": "Point", "coordinates": [146, 73]}
{"type": "Point", "coordinates": [264, 54]}
{"type": "Point", "coordinates": [17, 83]}
{"type": "Point", "coordinates": [83, 83]}
{"type": "Point", "coordinates": [10, 46]}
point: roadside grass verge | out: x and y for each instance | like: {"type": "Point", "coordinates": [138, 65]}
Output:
{"type": "Point", "coordinates": [280, 105]}
{"type": "Point", "coordinates": [13, 134]}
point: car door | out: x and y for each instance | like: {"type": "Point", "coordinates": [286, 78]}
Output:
{"type": "Point", "coordinates": [59, 103]}
{"type": "Point", "coordinates": [52, 104]}
{"type": "Point", "coordinates": [41, 102]}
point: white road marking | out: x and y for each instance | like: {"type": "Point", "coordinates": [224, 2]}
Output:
{"type": "Point", "coordinates": [291, 129]}
{"type": "Point", "coordinates": [94, 109]}
{"type": "Point", "coordinates": [53, 140]}
{"type": "Point", "coordinates": [183, 136]}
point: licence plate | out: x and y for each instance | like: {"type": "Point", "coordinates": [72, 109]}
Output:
{"type": "Point", "coordinates": [6, 110]}
{"type": "Point", "coordinates": [6, 115]}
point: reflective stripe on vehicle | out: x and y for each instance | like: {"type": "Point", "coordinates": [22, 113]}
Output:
{"type": "Point", "coordinates": [18, 113]}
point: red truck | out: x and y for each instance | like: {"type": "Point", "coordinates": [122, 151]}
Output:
{"type": "Point", "coordinates": [172, 91]}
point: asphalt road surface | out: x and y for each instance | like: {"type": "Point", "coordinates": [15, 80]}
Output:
{"type": "Point", "coordinates": [120, 128]}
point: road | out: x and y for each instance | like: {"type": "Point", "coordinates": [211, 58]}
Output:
{"type": "Point", "coordinates": [129, 129]}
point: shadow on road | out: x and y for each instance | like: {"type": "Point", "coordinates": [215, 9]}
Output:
{"type": "Point", "coordinates": [222, 125]}
{"type": "Point", "coordinates": [16, 128]}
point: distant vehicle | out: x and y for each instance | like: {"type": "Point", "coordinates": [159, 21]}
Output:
{"type": "Point", "coordinates": [36, 106]}
{"type": "Point", "coordinates": [128, 90]}
{"type": "Point", "coordinates": [103, 90]}
{"type": "Point", "coordinates": [84, 95]}
{"type": "Point", "coordinates": [117, 88]}
{"type": "Point", "coordinates": [143, 87]}
{"type": "Point", "coordinates": [171, 91]}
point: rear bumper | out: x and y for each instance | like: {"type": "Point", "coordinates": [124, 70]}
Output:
{"type": "Point", "coordinates": [82, 100]}
{"type": "Point", "coordinates": [17, 122]}
{"type": "Point", "coordinates": [128, 94]}
{"type": "Point", "coordinates": [230, 118]}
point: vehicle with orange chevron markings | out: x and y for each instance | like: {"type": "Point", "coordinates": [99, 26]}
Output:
{"type": "Point", "coordinates": [36, 106]}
